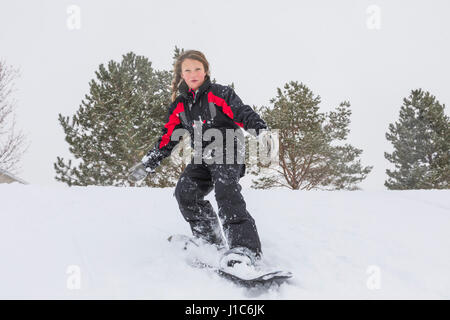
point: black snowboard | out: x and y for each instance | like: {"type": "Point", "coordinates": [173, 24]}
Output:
{"type": "Point", "coordinates": [264, 280]}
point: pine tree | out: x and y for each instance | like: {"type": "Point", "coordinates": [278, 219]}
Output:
{"type": "Point", "coordinates": [421, 141]}
{"type": "Point", "coordinates": [307, 157]}
{"type": "Point", "coordinates": [116, 124]}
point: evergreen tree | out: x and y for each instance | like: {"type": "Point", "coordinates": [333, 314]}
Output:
{"type": "Point", "coordinates": [117, 123]}
{"type": "Point", "coordinates": [307, 157]}
{"type": "Point", "coordinates": [421, 141]}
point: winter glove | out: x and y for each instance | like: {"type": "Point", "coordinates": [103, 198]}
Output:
{"type": "Point", "coordinates": [260, 126]}
{"type": "Point", "coordinates": [139, 172]}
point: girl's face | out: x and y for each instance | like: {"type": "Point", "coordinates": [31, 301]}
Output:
{"type": "Point", "coordinates": [193, 73]}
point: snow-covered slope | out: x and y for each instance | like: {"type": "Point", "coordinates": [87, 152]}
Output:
{"type": "Point", "coordinates": [105, 242]}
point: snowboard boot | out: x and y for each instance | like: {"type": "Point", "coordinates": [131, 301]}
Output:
{"type": "Point", "coordinates": [196, 251]}
{"type": "Point", "coordinates": [239, 257]}
{"type": "Point", "coordinates": [211, 239]}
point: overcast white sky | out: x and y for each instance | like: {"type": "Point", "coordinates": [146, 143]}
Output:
{"type": "Point", "coordinates": [334, 47]}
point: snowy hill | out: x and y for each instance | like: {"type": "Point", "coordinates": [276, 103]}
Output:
{"type": "Point", "coordinates": [368, 245]}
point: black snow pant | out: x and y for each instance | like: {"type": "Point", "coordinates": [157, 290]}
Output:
{"type": "Point", "coordinates": [195, 183]}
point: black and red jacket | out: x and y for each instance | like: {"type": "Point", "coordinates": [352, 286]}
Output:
{"type": "Point", "coordinates": [212, 106]}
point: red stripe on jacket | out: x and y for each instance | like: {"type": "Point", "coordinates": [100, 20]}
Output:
{"type": "Point", "coordinates": [225, 107]}
{"type": "Point", "coordinates": [174, 120]}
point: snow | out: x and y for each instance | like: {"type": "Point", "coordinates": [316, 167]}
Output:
{"type": "Point", "coordinates": [110, 243]}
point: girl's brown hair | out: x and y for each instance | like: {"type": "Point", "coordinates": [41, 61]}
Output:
{"type": "Point", "coordinates": [190, 54]}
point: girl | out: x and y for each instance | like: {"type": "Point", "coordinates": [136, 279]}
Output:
{"type": "Point", "coordinates": [199, 104]}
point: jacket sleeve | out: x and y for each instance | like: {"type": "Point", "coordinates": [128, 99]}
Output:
{"type": "Point", "coordinates": [243, 114]}
{"type": "Point", "coordinates": [165, 143]}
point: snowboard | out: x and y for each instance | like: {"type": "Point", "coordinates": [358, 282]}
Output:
{"type": "Point", "coordinates": [260, 279]}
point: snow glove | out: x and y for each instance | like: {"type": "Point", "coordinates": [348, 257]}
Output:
{"type": "Point", "coordinates": [140, 170]}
